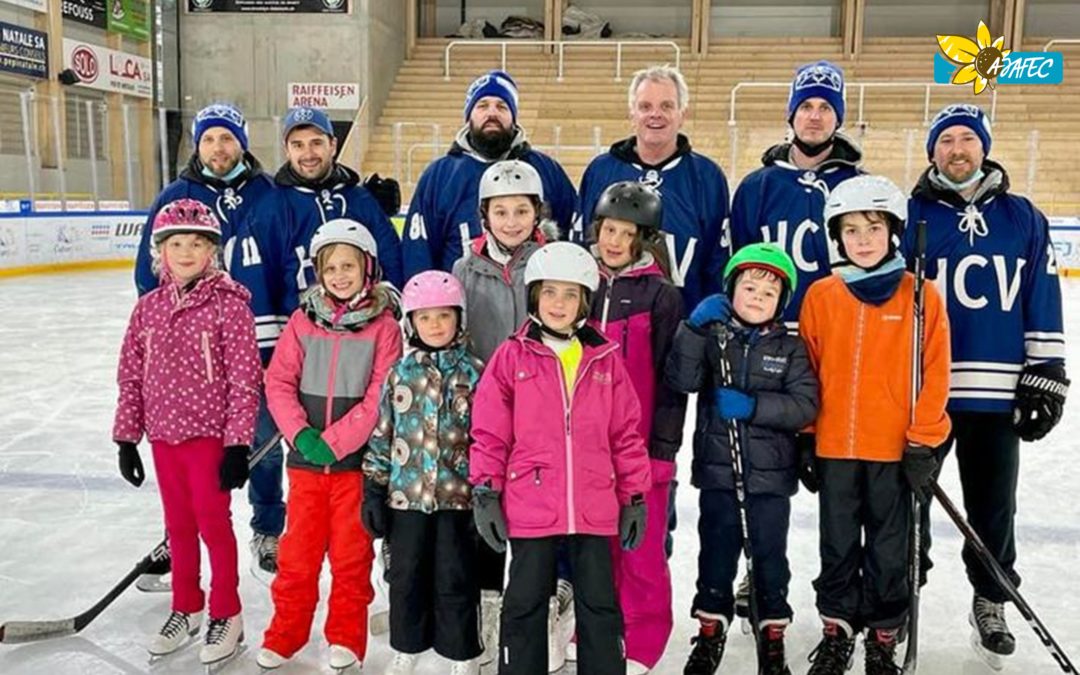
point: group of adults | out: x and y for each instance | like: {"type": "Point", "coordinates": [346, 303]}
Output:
{"type": "Point", "coordinates": [267, 221]}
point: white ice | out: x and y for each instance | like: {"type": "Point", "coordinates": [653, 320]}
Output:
{"type": "Point", "coordinates": [70, 528]}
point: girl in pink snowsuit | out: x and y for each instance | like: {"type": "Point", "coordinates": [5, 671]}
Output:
{"type": "Point", "coordinates": [638, 308]}
{"type": "Point", "coordinates": [189, 379]}
{"type": "Point", "coordinates": [557, 457]}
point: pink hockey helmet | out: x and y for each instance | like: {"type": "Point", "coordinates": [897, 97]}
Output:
{"type": "Point", "coordinates": [432, 289]}
{"type": "Point", "coordinates": [186, 216]}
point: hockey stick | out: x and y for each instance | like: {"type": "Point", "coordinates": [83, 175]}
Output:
{"type": "Point", "coordinates": [911, 654]}
{"type": "Point", "coordinates": [735, 442]}
{"type": "Point", "coordinates": [975, 542]}
{"type": "Point", "coordinates": [14, 632]}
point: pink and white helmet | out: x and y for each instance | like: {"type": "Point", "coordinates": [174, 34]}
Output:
{"type": "Point", "coordinates": [430, 289]}
{"type": "Point", "coordinates": [185, 216]}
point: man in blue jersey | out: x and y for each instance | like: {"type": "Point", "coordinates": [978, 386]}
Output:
{"type": "Point", "coordinates": [313, 188]}
{"type": "Point", "coordinates": [443, 217]}
{"type": "Point", "coordinates": [222, 174]}
{"type": "Point", "coordinates": [692, 186]}
{"type": "Point", "coordinates": [990, 254]}
{"type": "Point", "coordinates": [783, 201]}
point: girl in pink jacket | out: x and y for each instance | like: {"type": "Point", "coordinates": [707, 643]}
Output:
{"type": "Point", "coordinates": [189, 380]}
{"type": "Point", "coordinates": [558, 456]}
{"type": "Point", "coordinates": [322, 388]}
{"type": "Point", "coordinates": [638, 308]}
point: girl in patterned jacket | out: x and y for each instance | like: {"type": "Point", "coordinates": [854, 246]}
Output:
{"type": "Point", "coordinates": [638, 308]}
{"type": "Point", "coordinates": [189, 380]}
{"type": "Point", "coordinates": [558, 458]}
{"type": "Point", "coordinates": [417, 465]}
{"type": "Point", "coordinates": [322, 388]}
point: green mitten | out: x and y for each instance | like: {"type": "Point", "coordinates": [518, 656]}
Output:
{"type": "Point", "coordinates": [314, 449]}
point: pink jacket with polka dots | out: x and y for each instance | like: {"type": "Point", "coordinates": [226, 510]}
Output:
{"type": "Point", "coordinates": [189, 366]}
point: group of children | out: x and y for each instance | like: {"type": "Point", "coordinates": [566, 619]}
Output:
{"type": "Point", "coordinates": [536, 399]}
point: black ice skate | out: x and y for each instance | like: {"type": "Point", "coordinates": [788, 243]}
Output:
{"type": "Point", "coordinates": [772, 649]}
{"type": "Point", "coordinates": [832, 656]}
{"type": "Point", "coordinates": [708, 650]}
{"type": "Point", "coordinates": [880, 645]}
{"type": "Point", "coordinates": [157, 578]}
{"type": "Point", "coordinates": [990, 638]}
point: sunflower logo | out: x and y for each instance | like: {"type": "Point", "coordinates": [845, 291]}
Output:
{"type": "Point", "coordinates": [980, 59]}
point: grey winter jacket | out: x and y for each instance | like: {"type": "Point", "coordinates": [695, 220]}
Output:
{"type": "Point", "coordinates": [495, 296]}
{"type": "Point", "coordinates": [775, 369]}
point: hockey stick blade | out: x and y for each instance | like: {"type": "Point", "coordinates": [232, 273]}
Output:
{"type": "Point", "coordinates": [14, 632]}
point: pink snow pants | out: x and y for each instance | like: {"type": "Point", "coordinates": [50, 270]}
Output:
{"type": "Point", "coordinates": [196, 506]}
{"type": "Point", "coordinates": [642, 577]}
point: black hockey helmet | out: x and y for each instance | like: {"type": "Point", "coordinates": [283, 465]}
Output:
{"type": "Point", "coordinates": [633, 202]}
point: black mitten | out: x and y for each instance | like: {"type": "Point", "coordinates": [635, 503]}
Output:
{"type": "Point", "coordinates": [375, 512]}
{"type": "Point", "coordinates": [805, 444]}
{"type": "Point", "coordinates": [386, 191]}
{"type": "Point", "coordinates": [234, 467]}
{"type": "Point", "coordinates": [131, 467]}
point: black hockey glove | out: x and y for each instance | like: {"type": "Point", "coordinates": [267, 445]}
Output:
{"type": "Point", "coordinates": [375, 513]}
{"type": "Point", "coordinates": [632, 523]}
{"type": "Point", "coordinates": [234, 467]}
{"type": "Point", "coordinates": [1040, 400]}
{"type": "Point", "coordinates": [386, 191]}
{"type": "Point", "coordinates": [804, 444]}
{"type": "Point", "coordinates": [920, 465]}
{"type": "Point", "coordinates": [131, 467]}
{"type": "Point", "coordinates": [490, 521]}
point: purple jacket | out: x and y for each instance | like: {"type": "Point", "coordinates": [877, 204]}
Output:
{"type": "Point", "coordinates": [562, 466]}
{"type": "Point", "coordinates": [639, 310]}
{"type": "Point", "coordinates": [189, 367]}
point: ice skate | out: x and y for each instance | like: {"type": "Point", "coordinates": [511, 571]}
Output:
{"type": "Point", "coordinates": [157, 578]}
{"type": "Point", "coordinates": [342, 659]}
{"type": "Point", "coordinates": [773, 661]}
{"type": "Point", "coordinates": [223, 642]}
{"type": "Point", "coordinates": [635, 668]}
{"type": "Point", "coordinates": [880, 647]}
{"type": "Point", "coordinates": [403, 664]}
{"type": "Point", "coordinates": [708, 648]}
{"type": "Point", "coordinates": [560, 624]}
{"type": "Point", "coordinates": [490, 610]}
{"type": "Point", "coordinates": [832, 656]}
{"type": "Point", "coordinates": [990, 635]}
{"type": "Point", "coordinates": [179, 629]}
{"type": "Point", "coordinates": [264, 556]}
{"type": "Point", "coordinates": [268, 659]}
{"type": "Point", "coordinates": [467, 667]}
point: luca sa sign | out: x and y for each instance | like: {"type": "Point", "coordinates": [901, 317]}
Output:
{"type": "Point", "coordinates": [108, 69]}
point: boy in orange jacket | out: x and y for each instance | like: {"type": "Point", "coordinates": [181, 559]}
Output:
{"type": "Point", "coordinates": [858, 326]}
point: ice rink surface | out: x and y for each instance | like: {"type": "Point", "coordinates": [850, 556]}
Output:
{"type": "Point", "coordinates": [70, 527]}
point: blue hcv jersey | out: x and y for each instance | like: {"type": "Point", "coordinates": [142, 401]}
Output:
{"type": "Point", "coordinates": [994, 263]}
{"type": "Point", "coordinates": [783, 204]}
{"type": "Point", "coordinates": [235, 206]}
{"type": "Point", "coordinates": [694, 197]}
{"type": "Point", "coordinates": [444, 214]}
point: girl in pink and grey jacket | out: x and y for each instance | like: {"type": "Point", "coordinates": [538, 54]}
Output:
{"type": "Point", "coordinates": [558, 456]}
{"type": "Point", "coordinates": [638, 308]}
{"type": "Point", "coordinates": [189, 380]}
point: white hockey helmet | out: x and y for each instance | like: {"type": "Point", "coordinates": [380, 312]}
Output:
{"type": "Point", "coordinates": [343, 231]}
{"type": "Point", "coordinates": [563, 261]}
{"type": "Point", "coordinates": [510, 177]}
{"type": "Point", "coordinates": [865, 193]}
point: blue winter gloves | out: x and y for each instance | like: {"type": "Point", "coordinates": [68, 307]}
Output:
{"type": "Point", "coordinates": [632, 523]}
{"type": "Point", "coordinates": [131, 467]}
{"type": "Point", "coordinates": [716, 307]}
{"type": "Point", "coordinates": [375, 512]}
{"type": "Point", "coordinates": [732, 404]}
{"type": "Point", "coordinates": [490, 521]}
{"type": "Point", "coordinates": [311, 445]}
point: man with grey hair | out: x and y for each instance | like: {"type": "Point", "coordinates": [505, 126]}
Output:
{"type": "Point", "coordinates": [694, 197]}
{"type": "Point", "coordinates": [692, 187]}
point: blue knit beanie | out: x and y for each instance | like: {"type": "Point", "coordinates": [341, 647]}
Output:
{"type": "Point", "coordinates": [823, 80]}
{"type": "Point", "coordinates": [495, 83]}
{"type": "Point", "coordinates": [964, 114]}
{"type": "Point", "coordinates": [220, 115]}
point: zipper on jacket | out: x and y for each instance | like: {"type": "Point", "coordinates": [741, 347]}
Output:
{"type": "Point", "coordinates": [855, 379]}
{"type": "Point", "coordinates": [607, 305]}
{"type": "Point", "coordinates": [330, 377]}
{"type": "Point", "coordinates": [148, 349]}
{"type": "Point", "coordinates": [744, 383]}
{"type": "Point", "coordinates": [206, 357]}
